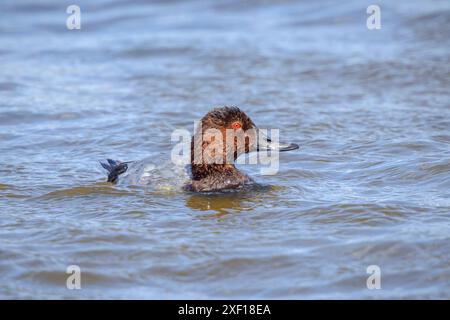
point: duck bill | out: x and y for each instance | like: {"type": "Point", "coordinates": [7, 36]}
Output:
{"type": "Point", "coordinates": [266, 144]}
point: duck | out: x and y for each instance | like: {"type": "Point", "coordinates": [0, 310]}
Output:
{"type": "Point", "coordinates": [212, 161]}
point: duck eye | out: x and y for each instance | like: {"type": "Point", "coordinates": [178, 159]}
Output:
{"type": "Point", "coordinates": [236, 125]}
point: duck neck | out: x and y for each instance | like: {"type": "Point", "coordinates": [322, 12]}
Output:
{"type": "Point", "coordinates": [213, 177]}
{"type": "Point", "coordinates": [202, 171]}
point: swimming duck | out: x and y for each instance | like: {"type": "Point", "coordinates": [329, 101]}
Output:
{"type": "Point", "coordinates": [206, 175]}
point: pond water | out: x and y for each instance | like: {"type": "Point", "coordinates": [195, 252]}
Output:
{"type": "Point", "coordinates": [369, 185]}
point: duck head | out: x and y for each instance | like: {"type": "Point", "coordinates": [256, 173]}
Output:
{"type": "Point", "coordinates": [222, 136]}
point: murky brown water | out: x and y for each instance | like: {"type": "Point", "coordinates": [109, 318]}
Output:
{"type": "Point", "coordinates": [369, 186]}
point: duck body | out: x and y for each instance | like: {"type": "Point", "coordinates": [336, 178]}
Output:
{"type": "Point", "coordinates": [169, 176]}
{"type": "Point", "coordinates": [148, 173]}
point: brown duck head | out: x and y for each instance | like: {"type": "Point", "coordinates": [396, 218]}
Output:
{"type": "Point", "coordinates": [222, 136]}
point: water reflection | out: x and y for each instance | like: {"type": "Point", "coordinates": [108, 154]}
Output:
{"type": "Point", "coordinates": [223, 203]}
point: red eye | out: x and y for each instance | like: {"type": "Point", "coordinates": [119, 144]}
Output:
{"type": "Point", "coordinates": [236, 125]}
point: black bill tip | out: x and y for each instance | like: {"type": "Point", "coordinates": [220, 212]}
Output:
{"type": "Point", "coordinates": [291, 146]}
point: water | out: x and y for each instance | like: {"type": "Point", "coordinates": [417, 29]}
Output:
{"type": "Point", "coordinates": [369, 186]}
